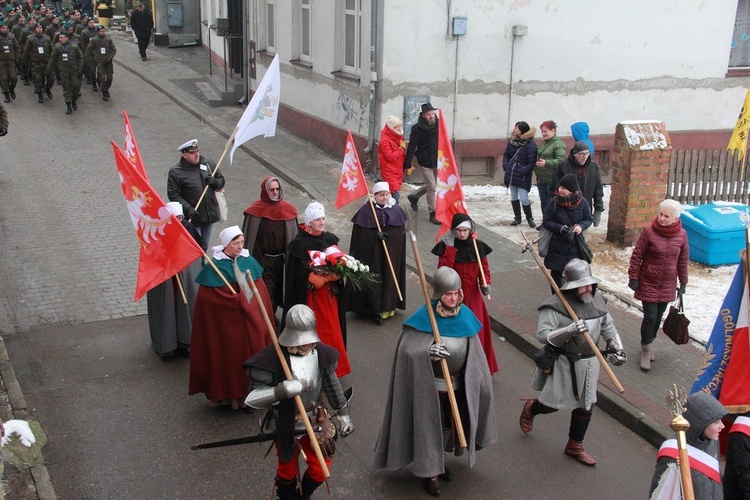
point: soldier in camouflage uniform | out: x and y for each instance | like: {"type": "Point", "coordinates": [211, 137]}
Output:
{"type": "Point", "coordinates": [103, 50]}
{"type": "Point", "coordinates": [22, 31]}
{"type": "Point", "coordinates": [9, 53]}
{"type": "Point", "coordinates": [87, 34]}
{"type": "Point", "coordinates": [36, 52]}
{"type": "Point", "coordinates": [67, 59]}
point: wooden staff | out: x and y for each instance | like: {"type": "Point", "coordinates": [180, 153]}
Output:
{"type": "Point", "coordinates": [436, 335]}
{"type": "Point", "coordinates": [288, 374]}
{"type": "Point", "coordinates": [182, 290]}
{"type": "Point", "coordinates": [211, 263]}
{"type": "Point", "coordinates": [385, 249]}
{"type": "Point", "coordinates": [213, 172]}
{"type": "Point", "coordinates": [479, 261]}
{"type": "Point", "coordinates": [573, 315]}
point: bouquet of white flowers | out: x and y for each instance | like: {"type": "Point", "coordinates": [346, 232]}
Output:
{"type": "Point", "coordinates": [333, 260]}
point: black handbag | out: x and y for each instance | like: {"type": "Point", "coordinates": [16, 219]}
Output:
{"type": "Point", "coordinates": [584, 249]}
{"type": "Point", "coordinates": [676, 324]}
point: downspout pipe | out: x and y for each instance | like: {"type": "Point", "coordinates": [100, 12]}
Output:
{"type": "Point", "coordinates": [371, 123]}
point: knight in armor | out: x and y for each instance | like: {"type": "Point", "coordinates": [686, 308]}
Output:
{"type": "Point", "coordinates": [418, 424]}
{"type": "Point", "coordinates": [313, 367]}
{"type": "Point", "coordinates": [568, 380]}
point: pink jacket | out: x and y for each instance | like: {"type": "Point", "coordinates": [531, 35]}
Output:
{"type": "Point", "coordinates": [657, 262]}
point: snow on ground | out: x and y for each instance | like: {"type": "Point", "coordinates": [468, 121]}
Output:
{"type": "Point", "coordinates": [707, 285]}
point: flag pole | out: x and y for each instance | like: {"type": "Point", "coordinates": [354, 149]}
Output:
{"type": "Point", "coordinates": [213, 172]}
{"type": "Point", "coordinates": [479, 261]}
{"type": "Point", "coordinates": [182, 290]}
{"type": "Point", "coordinates": [385, 249]}
{"type": "Point", "coordinates": [211, 263]}
{"type": "Point", "coordinates": [288, 374]}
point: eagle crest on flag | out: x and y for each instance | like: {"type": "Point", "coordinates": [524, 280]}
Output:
{"type": "Point", "coordinates": [147, 228]}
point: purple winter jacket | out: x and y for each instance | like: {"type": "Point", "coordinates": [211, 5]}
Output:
{"type": "Point", "coordinates": [657, 262]}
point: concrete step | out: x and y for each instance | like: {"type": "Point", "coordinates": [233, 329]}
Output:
{"type": "Point", "coordinates": [210, 93]}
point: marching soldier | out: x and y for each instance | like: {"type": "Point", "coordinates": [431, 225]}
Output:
{"type": "Point", "coordinates": [103, 50]}
{"type": "Point", "coordinates": [37, 51]}
{"type": "Point", "coordinates": [22, 31]}
{"type": "Point", "coordinates": [67, 60]}
{"type": "Point", "coordinates": [53, 28]}
{"type": "Point", "coordinates": [9, 53]}
{"type": "Point", "coordinates": [87, 34]}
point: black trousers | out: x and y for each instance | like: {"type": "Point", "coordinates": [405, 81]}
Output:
{"type": "Point", "coordinates": [143, 45]}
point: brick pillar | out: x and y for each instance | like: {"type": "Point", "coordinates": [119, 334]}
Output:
{"type": "Point", "coordinates": [640, 167]}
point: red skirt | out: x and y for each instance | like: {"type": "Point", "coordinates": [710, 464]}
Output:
{"type": "Point", "coordinates": [325, 305]}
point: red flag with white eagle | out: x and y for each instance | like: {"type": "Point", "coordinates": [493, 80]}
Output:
{"type": "Point", "coordinates": [131, 147]}
{"type": "Point", "coordinates": [166, 247]}
{"type": "Point", "coordinates": [449, 195]}
{"type": "Point", "coordinates": [352, 184]}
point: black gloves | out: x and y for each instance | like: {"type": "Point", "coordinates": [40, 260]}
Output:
{"type": "Point", "coordinates": [568, 233]}
{"type": "Point", "coordinates": [485, 289]}
{"type": "Point", "coordinates": [3, 131]}
{"type": "Point", "coordinates": [382, 235]}
{"type": "Point", "coordinates": [212, 181]}
{"type": "Point", "coordinates": [682, 288]}
{"type": "Point", "coordinates": [633, 285]}
{"type": "Point", "coordinates": [192, 214]}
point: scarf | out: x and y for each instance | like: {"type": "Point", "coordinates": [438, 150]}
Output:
{"type": "Point", "coordinates": [519, 141]}
{"type": "Point", "coordinates": [667, 231]}
{"type": "Point", "coordinates": [571, 201]}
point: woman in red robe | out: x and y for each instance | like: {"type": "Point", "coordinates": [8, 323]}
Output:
{"type": "Point", "coordinates": [456, 250]}
{"type": "Point", "coordinates": [320, 292]}
{"type": "Point", "coordinates": [227, 328]}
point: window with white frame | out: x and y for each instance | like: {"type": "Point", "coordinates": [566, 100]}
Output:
{"type": "Point", "coordinates": [271, 25]}
{"type": "Point", "coordinates": [739, 54]}
{"type": "Point", "coordinates": [352, 30]}
{"type": "Point", "coordinates": [305, 30]}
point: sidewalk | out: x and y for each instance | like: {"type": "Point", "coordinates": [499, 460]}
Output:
{"type": "Point", "coordinates": [518, 286]}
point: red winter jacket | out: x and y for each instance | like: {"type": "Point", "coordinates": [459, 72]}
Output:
{"type": "Point", "coordinates": [656, 263]}
{"type": "Point", "coordinates": [391, 156]}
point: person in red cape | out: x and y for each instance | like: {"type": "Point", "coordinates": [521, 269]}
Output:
{"type": "Point", "coordinates": [270, 224]}
{"type": "Point", "coordinates": [366, 247]}
{"type": "Point", "coordinates": [391, 154]}
{"type": "Point", "coordinates": [227, 328]}
{"type": "Point", "coordinates": [320, 292]}
{"type": "Point", "coordinates": [456, 250]}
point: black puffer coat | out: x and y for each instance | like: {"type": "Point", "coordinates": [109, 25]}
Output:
{"type": "Point", "coordinates": [589, 179]}
{"type": "Point", "coordinates": [563, 248]}
{"type": "Point", "coordinates": [185, 184]}
{"type": "Point", "coordinates": [423, 143]}
{"type": "Point", "coordinates": [519, 160]}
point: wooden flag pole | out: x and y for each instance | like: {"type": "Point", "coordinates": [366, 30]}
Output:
{"type": "Point", "coordinates": [213, 172]}
{"type": "Point", "coordinates": [385, 248]}
{"type": "Point", "coordinates": [182, 290]}
{"type": "Point", "coordinates": [211, 263]}
{"type": "Point", "coordinates": [479, 261]}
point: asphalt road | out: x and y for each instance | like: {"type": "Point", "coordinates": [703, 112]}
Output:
{"type": "Point", "coordinates": [119, 420]}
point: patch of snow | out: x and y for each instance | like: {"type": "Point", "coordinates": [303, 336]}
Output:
{"type": "Point", "coordinates": [21, 429]}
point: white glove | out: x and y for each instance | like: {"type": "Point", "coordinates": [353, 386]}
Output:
{"type": "Point", "coordinates": [438, 352]}
{"type": "Point", "coordinates": [345, 425]}
{"type": "Point", "coordinates": [288, 389]}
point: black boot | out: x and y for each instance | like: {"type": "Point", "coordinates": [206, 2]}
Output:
{"type": "Point", "coordinates": [529, 216]}
{"type": "Point", "coordinates": [69, 111]}
{"type": "Point", "coordinates": [94, 87]}
{"type": "Point", "coordinates": [75, 105]}
{"type": "Point", "coordinates": [13, 94]}
{"type": "Point", "coordinates": [41, 97]}
{"type": "Point", "coordinates": [25, 81]}
{"type": "Point", "coordinates": [516, 212]}
{"type": "Point", "coordinates": [7, 97]}
{"type": "Point", "coordinates": [433, 219]}
{"type": "Point", "coordinates": [105, 95]}
{"type": "Point", "coordinates": [286, 490]}
{"type": "Point", "coordinates": [49, 93]}
{"type": "Point", "coordinates": [307, 487]}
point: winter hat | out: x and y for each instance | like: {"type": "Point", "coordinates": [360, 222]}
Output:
{"type": "Point", "coordinates": [314, 211]}
{"type": "Point", "coordinates": [701, 410]}
{"type": "Point", "coordinates": [580, 146]}
{"type": "Point", "coordinates": [523, 127]}
{"type": "Point", "coordinates": [394, 121]}
{"type": "Point", "coordinates": [569, 182]}
{"type": "Point", "coordinates": [228, 234]}
{"type": "Point", "coordinates": [175, 207]}
{"type": "Point", "coordinates": [380, 186]}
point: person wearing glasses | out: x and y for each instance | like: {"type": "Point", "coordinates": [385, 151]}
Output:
{"type": "Point", "coordinates": [586, 170]}
{"type": "Point", "coordinates": [270, 224]}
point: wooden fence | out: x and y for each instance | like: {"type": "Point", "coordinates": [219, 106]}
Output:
{"type": "Point", "coordinates": [698, 177]}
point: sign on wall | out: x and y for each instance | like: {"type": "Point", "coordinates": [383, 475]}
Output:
{"type": "Point", "coordinates": [412, 108]}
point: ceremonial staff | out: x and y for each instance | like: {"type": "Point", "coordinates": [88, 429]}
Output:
{"type": "Point", "coordinates": [676, 399]}
{"type": "Point", "coordinates": [385, 249]}
{"type": "Point", "coordinates": [436, 335]}
{"type": "Point", "coordinates": [479, 261]}
{"type": "Point", "coordinates": [573, 315]}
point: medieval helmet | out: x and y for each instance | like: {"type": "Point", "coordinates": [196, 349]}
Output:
{"type": "Point", "coordinates": [300, 327]}
{"type": "Point", "coordinates": [445, 280]}
{"type": "Point", "coordinates": [578, 273]}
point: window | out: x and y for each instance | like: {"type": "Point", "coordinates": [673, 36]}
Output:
{"type": "Point", "coordinates": [352, 29]}
{"type": "Point", "coordinates": [739, 54]}
{"type": "Point", "coordinates": [271, 25]}
{"type": "Point", "coordinates": [305, 43]}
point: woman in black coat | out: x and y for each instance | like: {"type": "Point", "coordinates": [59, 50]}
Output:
{"type": "Point", "coordinates": [566, 215]}
{"type": "Point", "coordinates": [519, 160]}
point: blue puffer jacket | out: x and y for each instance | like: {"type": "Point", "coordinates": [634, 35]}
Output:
{"type": "Point", "coordinates": [519, 160]}
{"type": "Point", "coordinates": [561, 248]}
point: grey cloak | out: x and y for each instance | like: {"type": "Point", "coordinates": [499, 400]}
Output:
{"type": "Point", "coordinates": [413, 397]}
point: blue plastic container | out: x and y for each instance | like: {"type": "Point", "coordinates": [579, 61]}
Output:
{"type": "Point", "coordinates": [715, 232]}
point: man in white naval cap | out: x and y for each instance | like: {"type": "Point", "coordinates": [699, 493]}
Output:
{"type": "Point", "coordinates": [185, 184]}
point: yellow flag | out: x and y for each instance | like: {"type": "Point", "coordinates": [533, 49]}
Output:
{"type": "Point", "coordinates": [739, 136]}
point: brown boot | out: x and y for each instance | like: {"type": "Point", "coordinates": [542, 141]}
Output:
{"type": "Point", "coordinates": [527, 418]}
{"type": "Point", "coordinates": [646, 351]}
{"type": "Point", "coordinates": [575, 449]}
